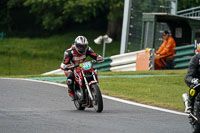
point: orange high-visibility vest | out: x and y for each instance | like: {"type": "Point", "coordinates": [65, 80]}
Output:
{"type": "Point", "coordinates": [166, 50]}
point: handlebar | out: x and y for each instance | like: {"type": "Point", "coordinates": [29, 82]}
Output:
{"type": "Point", "coordinates": [73, 66]}
{"type": "Point", "coordinates": [95, 61]}
{"type": "Point", "coordinates": [77, 65]}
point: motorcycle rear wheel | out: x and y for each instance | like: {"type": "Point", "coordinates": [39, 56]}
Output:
{"type": "Point", "coordinates": [98, 100]}
{"type": "Point", "coordinates": [196, 112]}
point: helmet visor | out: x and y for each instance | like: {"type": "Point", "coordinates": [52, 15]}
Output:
{"type": "Point", "coordinates": [81, 47]}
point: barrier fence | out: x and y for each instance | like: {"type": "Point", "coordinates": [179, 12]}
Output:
{"type": "Point", "coordinates": [139, 60]}
{"type": "Point", "coordinates": [183, 56]}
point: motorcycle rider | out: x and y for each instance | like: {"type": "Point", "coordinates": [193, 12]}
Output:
{"type": "Point", "coordinates": [75, 55]}
{"type": "Point", "coordinates": [193, 78]}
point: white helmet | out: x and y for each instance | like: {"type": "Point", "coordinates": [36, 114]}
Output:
{"type": "Point", "coordinates": [81, 44]}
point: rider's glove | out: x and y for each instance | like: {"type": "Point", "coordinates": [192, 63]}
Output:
{"type": "Point", "coordinates": [62, 66]}
{"type": "Point", "coordinates": [195, 81]}
{"type": "Point", "coordinates": [99, 58]}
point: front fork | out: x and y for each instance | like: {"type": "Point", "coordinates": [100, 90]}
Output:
{"type": "Point", "coordinates": [87, 85]}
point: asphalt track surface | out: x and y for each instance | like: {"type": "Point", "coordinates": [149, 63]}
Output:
{"type": "Point", "coordinates": [32, 107]}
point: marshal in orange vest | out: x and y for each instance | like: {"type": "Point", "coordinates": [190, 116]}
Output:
{"type": "Point", "coordinates": [166, 51]}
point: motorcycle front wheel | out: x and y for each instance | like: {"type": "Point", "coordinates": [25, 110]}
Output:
{"type": "Point", "coordinates": [97, 98]}
{"type": "Point", "coordinates": [78, 105]}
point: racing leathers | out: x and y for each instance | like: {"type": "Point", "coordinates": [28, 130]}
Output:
{"type": "Point", "coordinates": [192, 78]}
{"type": "Point", "coordinates": [71, 58]}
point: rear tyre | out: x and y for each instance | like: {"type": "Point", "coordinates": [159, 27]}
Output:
{"type": "Point", "coordinates": [195, 128]}
{"type": "Point", "coordinates": [98, 100]}
{"type": "Point", "coordinates": [196, 112]}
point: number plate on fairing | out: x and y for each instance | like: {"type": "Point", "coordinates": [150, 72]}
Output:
{"type": "Point", "coordinates": [86, 65]}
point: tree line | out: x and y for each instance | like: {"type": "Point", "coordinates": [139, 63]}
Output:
{"type": "Point", "coordinates": [57, 15]}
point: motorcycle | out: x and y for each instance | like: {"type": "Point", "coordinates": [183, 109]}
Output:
{"type": "Point", "coordinates": [194, 116]}
{"type": "Point", "coordinates": [86, 89]}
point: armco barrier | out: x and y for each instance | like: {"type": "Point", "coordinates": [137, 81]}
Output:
{"type": "Point", "coordinates": [104, 66]}
{"type": "Point", "coordinates": [124, 62]}
{"type": "Point", "coordinates": [183, 56]}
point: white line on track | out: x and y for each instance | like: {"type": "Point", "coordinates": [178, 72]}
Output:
{"type": "Point", "coordinates": [109, 97]}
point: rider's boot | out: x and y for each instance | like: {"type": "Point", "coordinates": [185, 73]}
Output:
{"type": "Point", "coordinates": [189, 108]}
{"type": "Point", "coordinates": [70, 89]}
{"type": "Point", "coordinates": [71, 94]}
{"type": "Point", "coordinates": [188, 101]}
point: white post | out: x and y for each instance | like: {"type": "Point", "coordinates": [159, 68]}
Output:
{"type": "Point", "coordinates": [174, 7]}
{"type": "Point", "coordinates": [104, 48]}
{"type": "Point", "coordinates": [125, 26]}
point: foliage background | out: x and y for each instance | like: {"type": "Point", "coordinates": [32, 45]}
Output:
{"type": "Point", "coordinates": [33, 17]}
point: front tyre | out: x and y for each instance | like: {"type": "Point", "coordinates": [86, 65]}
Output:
{"type": "Point", "coordinates": [78, 105]}
{"type": "Point", "coordinates": [97, 98]}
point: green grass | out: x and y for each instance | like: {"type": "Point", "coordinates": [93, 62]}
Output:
{"type": "Point", "coordinates": [153, 72]}
{"type": "Point", "coordinates": [22, 56]}
{"type": "Point", "coordinates": [162, 91]}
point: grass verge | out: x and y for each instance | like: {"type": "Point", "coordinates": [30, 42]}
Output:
{"type": "Point", "coordinates": [162, 91]}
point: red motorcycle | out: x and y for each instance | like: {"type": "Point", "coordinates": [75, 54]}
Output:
{"type": "Point", "coordinates": [86, 89]}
